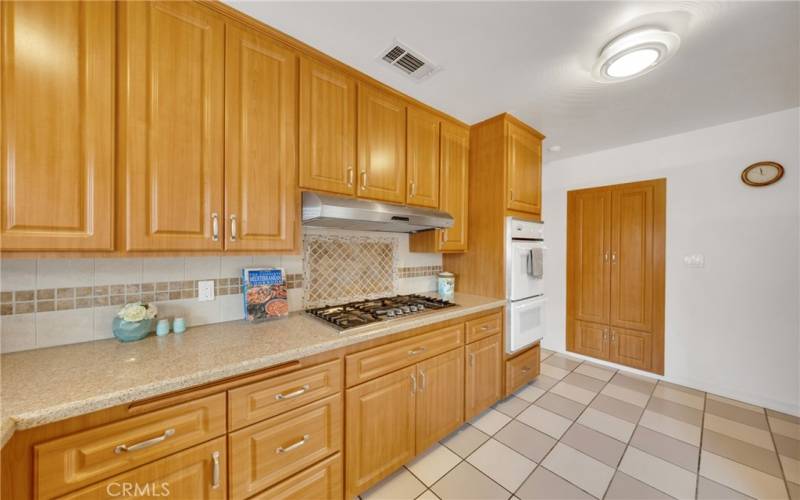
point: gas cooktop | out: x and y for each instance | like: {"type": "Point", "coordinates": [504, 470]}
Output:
{"type": "Point", "coordinates": [365, 312]}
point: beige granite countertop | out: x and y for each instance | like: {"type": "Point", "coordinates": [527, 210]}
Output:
{"type": "Point", "coordinates": [46, 385]}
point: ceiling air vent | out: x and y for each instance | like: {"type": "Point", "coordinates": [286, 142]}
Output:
{"type": "Point", "coordinates": [411, 63]}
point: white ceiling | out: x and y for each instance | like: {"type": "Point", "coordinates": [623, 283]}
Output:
{"type": "Point", "coordinates": [533, 59]}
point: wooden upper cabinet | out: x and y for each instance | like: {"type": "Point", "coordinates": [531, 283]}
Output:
{"type": "Point", "coordinates": [327, 129]}
{"type": "Point", "coordinates": [171, 100]}
{"type": "Point", "coordinates": [455, 186]}
{"type": "Point", "coordinates": [381, 145]}
{"type": "Point", "coordinates": [631, 256]}
{"type": "Point", "coordinates": [524, 170]}
{"type": "Point", "coordinates": [422, 156]}
{"type": "Point", "coordinates": [588, 255]}
{"type": "Point", "coordinates": [56, 135]}
{"type": "Point", "coordinates": [261, 202]}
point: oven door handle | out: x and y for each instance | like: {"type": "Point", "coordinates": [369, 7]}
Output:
{"type": "Point", "coordinates": [529, 262]}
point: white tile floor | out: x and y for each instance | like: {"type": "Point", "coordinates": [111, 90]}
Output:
{"type": "Point", "coordinates": [583, 431]}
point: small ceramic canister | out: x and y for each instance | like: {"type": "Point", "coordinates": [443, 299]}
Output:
{"type": "Point", "coordinates": [446, 285]}
{"type": "Point", "coordinates": [162, 328]}
{"type": "Point", "coordinates": [178, 325]}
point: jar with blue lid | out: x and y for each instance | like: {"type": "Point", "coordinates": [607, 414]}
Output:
{"type": "Point", "coordinates": [446, 285]}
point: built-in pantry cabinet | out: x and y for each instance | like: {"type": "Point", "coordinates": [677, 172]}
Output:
{"type": "Point", "coordinates": [615, 273]}
{"type": "Point", "coordinates": [327, 426]}
{"type": "Point", "coordinates": [186, 127]}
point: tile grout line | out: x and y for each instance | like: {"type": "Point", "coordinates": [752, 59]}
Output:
{"type": "Point", "coordinates": [778, 455]}
{"type": "Point", "coordinates": [700, 446]}
{"type": "Point", "coordinates": [539, 464]}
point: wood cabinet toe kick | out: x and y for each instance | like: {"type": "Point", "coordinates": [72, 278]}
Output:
{"type": "Point", "coordinates": [326, 426]}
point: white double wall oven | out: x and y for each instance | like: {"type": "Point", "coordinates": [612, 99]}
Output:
{"type": "Point", "coordinates": [525, 311]}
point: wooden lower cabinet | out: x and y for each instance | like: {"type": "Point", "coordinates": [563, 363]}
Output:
{"type": "Point", "coordinates": [591, 339]}
{"type": "Point", "coordinates": [484, 375]}
{"type": "Point", "coordinates": [318, 482]}
{"type": "Point", "coordinates": [198, 473]}
{"type": "Point", "coordinates": [632, 348]}
{"type": "Point", "coordinates": [440, 397]}
{"type": "Point", "coordinates": [270, 451]}
{"type": "Point", "coordinates": [522, 369]}
{"type": "Point", "coordinates": [381, 422]}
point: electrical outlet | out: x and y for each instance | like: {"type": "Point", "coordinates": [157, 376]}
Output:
{"type": "Point", "coordinates": [205, 290]}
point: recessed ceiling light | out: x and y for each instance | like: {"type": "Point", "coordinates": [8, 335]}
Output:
{"type": "Point", "coordinates": [634, 53]}
{"type": "Point", "coordinates": [554, 149]}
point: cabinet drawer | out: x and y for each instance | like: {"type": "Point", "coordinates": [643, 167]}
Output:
{"type": "Point", "coordinates": [252, 403]}
{"type": "Point", "coordinates": [484, 327]}
{"type": "Point", "coordinates": [321, 481]}
{"type": "Point", "coordinates": [366, 365]}
{"type": "Point", "coordinates": [270, 451]}
{"type": "Point", "coordinates": [522, 369]}
{"type": "Point", "coordinates": [197, 473]}
{"type": "Point", "coordinates": [73, 461]}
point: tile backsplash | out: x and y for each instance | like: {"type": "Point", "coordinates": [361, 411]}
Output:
{"type": "Point", "coordinates": [47, 302]}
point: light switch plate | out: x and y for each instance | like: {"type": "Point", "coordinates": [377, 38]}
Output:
{"type": "Point", "coordinates": [205, 290]}
{"type": "Point", "coordinates": [694, 260]}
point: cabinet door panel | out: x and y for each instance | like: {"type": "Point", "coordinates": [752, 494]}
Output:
{"type": "Point", "coordinates": [589, 223]}
{"type": "Point", "coordinates": [423, 159]}
{"type": "Point", "coordinates": [172, 125]}
{"type": "Point", "coordinates": [440, 397]}
{"type": "Point", "coordinates": [483, 375]}
{"type": "Point", "coordinates": [632, 257]}
{"type": "Point", "coordinates": [381, 145]}
{"type": "Point", "coordinates": [631, 348]}
{"type": "Point", "coordinates": [260, 185]}
{"type": "Point", "coordinates": [327, 129]}
{"type": "Point", "coordinates": [380, 432]}
{"type": "Point", "coordinates": [524, 171]}
{"type": "Point", "coordinates": [591, 339]}
{"type": "Point", "coordinates": [198, 473]}
{"type": "Point", "coordinates": [455, 186]}
{"type": "Point", "coordinates": [57, 125]}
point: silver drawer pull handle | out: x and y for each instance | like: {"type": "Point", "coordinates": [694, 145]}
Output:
{"type": "Point", "coordinates": [122, 448]}
{"type": "Point", "coordinates": [215, 470]}
{"type": "Point", "coordinates": [414, 352]}
{"type": "Point", "coordinates": [525, 369]}
{"type": "Point", "coordinates": [234, 228]}
{"type": "Point", "coordinates": [289, 395]}
{"type": "Point", "coordinates": [215, 227]}
{"type": "Point", "coordinates": [484, 328]}
{"type": "Point", "coordinates": [280, 449]}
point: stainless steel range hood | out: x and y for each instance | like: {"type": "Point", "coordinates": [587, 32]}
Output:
{"type": "Point", "coordinates": [322, 210]}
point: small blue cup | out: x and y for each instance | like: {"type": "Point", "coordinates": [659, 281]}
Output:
{"type": "Point", "coordinates": [178, 325]}
{"type": "Point", "coordinates": [162, 328]}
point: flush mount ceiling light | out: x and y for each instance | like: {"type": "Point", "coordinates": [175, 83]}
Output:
{"type": "Point", "coordinates": [634, 53]}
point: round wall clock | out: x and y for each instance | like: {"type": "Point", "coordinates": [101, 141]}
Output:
{"type": "Point", "coordinates": [762, 173]}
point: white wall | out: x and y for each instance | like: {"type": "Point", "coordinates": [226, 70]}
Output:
{"type": "Point", "coordinates": [732, 327]}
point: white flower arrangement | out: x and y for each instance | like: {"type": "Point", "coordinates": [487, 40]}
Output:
{"type": "Point", "coordinates": [136, 311]}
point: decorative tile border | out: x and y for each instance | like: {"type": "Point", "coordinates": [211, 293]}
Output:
{"type": "Point", "coordinates": [418, 272]}
{"type": "Point", "coordinates": [62, 299]}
